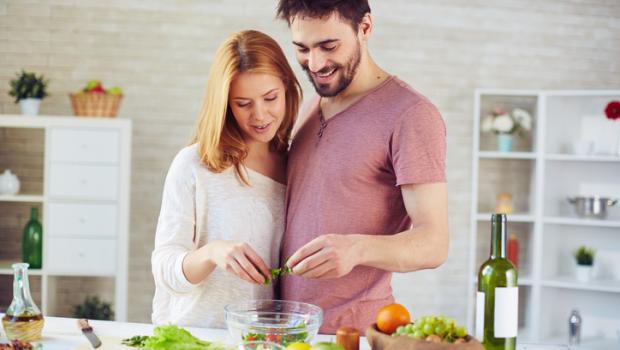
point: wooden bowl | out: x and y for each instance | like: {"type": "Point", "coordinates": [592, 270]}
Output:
{"type": "Point", "coordinates": [381, 341]}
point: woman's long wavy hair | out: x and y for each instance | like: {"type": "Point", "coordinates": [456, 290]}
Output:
{"type": "Point", "coordinates": [219, 138]}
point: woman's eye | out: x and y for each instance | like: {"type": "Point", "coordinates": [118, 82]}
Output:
{"type": "Point", "coordinates": [242, 105]}
{"type": "Point", "coordinates": [271, 98]}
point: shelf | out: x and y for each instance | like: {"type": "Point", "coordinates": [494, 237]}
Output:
{"type": "Point", "coordinates": [5, 269]}
{"type": "Point", "coordinates": [578, 158]}
{"type": "Point", "coordinates": [506, 155]}
{"type": "Point", "coordinates": [43, 121]}
{"type": "Point", "coordinates": [21, 198]}
{"type": "Point", "coordinates": [588, 343]}
{"type": "Point", "coordinates": [611, 286]}
{"type": "Point", "coordinates": [582, 222]}
{"type": "Point", "coordinates": [511, 217]}
{"type": "Point", "coordinates": [524, 335]}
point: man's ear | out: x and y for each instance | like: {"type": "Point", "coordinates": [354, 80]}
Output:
{"type": "Point", "coordinates": [365, 27]}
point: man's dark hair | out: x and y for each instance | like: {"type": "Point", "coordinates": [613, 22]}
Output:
{"type": "Point", "coordinates": [350, 10]}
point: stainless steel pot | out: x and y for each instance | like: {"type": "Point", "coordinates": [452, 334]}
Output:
{"type": "Point", "coordinates": [591, 206]}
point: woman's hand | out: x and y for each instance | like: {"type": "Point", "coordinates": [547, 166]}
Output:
{"type": "Point", "coordinates": [239, 259]}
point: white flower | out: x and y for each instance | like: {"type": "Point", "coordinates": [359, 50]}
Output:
{"type": "Point", "coordinates": [523, 118]}
{"type": "Point", "coordinates": [503, 123]}
{"type": "Point", "coordinates": [487, 124]}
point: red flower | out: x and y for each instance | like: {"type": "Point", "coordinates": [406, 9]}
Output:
{"type": "Point", "coordinates": [612, 111]}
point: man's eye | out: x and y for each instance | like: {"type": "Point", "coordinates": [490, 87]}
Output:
{"type": "Point", "coordinates": [328, 48]}
{"type": "Point", "coordinates": [302, 50]}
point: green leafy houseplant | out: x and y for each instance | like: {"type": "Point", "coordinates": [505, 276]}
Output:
{"type": "Point", "coordinates": [584, 256]}
{"type": "Point", "coordinates": [28, 85]}
{"type": "Point", "coordinates": [93, 309]}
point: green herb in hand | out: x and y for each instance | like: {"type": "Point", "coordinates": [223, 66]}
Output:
{"type": "Point", "coordinates": [277, 272]}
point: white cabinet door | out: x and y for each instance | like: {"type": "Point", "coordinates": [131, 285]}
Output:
{"type": "Point", "coordinates": [83, 181]}
{"type": "Point", "coordinates": [84, 145]}
{"type": "Point", "coordinates": [88, 257]}
{"type": "Point", "coordinates": [82, 220]}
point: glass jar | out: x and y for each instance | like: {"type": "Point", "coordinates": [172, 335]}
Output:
{"type": "Point", "coordinates": [23, 319]}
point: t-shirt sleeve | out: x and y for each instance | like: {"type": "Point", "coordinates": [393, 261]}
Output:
{"type": "Point", "coordinates": [418, 146]}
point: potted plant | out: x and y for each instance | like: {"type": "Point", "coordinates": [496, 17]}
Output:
{"type": "Point", "coordinates": [28, 90]}
{"type": "Point", "coordinates": [584, 257]}
{"type": "Point", "coordinates": [93, 309]}
{"type": "Point", "coordinates": [505, 124]}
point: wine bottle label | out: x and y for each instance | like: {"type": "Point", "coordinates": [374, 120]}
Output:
{"type": "Point", "coordinates": [480, 316]}
{"type": "Point", "coordinates": [506, 312]}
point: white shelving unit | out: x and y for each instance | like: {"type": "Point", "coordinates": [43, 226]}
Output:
{"type": "Point", "coordinates": [541, 173]}
{"type": "Point", "coordinates": [83, 195]}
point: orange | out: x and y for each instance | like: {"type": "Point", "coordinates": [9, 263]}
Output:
{"type": "Point", "coordinates": [391, 317]}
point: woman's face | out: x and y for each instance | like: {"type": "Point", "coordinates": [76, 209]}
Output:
{"type": "Point", "coordinates": [257, 101]}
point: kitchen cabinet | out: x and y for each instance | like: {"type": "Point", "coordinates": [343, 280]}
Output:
{"type": "Point", "coordinates": [572, 150]}
{"type": "Point", "coordinates": [77, 172]}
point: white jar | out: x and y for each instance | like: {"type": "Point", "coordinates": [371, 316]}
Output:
{"type": "Point", "coordinates": [9, 183]}
{"type": "Point", "coordinates": [584, 272]}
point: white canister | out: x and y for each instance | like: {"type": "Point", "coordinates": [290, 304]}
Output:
{"type": "Point", "coordinates": [9, 183]}
{"type": "Point", "coordinates": [584, 272]}
{"type": "Point", "coordinates": [30, 106]}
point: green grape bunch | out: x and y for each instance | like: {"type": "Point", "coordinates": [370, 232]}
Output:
{"type": "Point", "coordinates": [437, 329]}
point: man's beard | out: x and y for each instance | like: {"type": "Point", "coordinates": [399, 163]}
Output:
{"type": "Point", "coordinates": [348, 73]}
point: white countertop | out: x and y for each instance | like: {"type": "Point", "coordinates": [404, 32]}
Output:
{"type": "Point", "coordinates": [63, 334]}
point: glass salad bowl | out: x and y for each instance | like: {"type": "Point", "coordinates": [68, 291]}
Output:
{"type": "Point", "coordinates": [278, 321]}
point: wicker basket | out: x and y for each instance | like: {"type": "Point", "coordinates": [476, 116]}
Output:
{"type": "Point", "coordinates": [382, 341]}
{"type": "Point", "coordinates": [95, 105]}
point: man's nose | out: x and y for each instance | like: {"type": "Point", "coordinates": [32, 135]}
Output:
{"type": "Point", "coordinates": [316, 61]}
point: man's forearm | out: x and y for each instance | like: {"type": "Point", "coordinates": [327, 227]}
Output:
{"type": "Point", "coordinates": [422, 247]}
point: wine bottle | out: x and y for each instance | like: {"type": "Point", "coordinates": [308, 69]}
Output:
{"type": "Point", "coordinates": [498, 295]}
{"type": "Point", "coordinates": [32, 241]}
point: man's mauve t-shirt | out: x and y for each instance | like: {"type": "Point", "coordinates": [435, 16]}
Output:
{"type": "Point", "coordinates": [347, 182]}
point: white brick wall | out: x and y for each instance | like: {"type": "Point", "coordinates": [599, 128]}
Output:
{"type": "Point", "coordinates": [159, 52]}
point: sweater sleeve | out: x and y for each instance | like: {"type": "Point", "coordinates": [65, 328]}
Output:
{"type": "Point", "coordinates": [174, 237]}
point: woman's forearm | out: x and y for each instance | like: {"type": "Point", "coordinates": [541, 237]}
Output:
{"type": "Point", "coordinates": [198, 264]}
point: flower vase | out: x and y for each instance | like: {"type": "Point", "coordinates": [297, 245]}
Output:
{"type": "Point", "coordinates": [504, 143]}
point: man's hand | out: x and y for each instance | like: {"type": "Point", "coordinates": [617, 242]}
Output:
{"type": "Point", "coordinates": [327, 256]}
{"type": "Point", "coordinates": [423, 246]}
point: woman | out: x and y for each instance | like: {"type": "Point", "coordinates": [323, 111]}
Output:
{"type": "Point", "coordinates": [222, 214]}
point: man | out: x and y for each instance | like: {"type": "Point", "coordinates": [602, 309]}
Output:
{"type": "Point", "coordinates": [366, 172]}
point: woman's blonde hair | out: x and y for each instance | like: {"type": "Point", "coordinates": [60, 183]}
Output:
{"type": "Point", "coordinates": [220, 141]}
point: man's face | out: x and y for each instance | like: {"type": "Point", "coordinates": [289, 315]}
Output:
{"type": "Point", "coordinates": [328, 50]}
